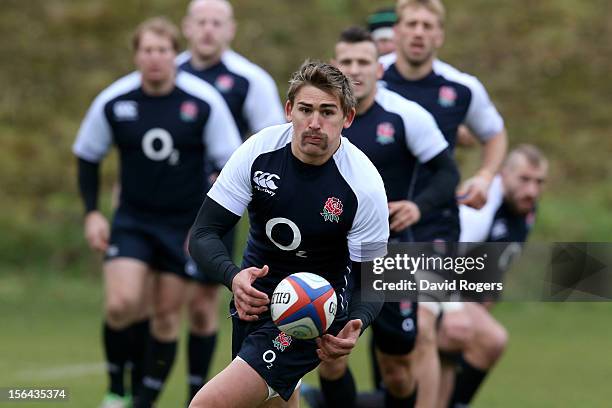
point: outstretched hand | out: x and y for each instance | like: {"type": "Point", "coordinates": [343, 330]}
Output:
{"type": "Point", "coordinates": [249, 301]}
{"type": "Point", "coordinates": [332, 347]}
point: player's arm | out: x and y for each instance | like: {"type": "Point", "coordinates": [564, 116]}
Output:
{"type": "Point", "coordinates": [262, 106]}
{"type": "Point", "coordinates": [361, 314]}
{"type": "Point", "coordinates": [441, 188]}
{"type": "Point", "coordinates": [220, 135]}
{"type": "Point", "coordinates": [367, 239]}
{"type": "Point", "coordinates": [427, 144]}
{"type": "Point", "coordinates": [476, 223]}
{"type": "Point", "coordinates": [485, 122]}
{"type": "Point", "coordinates": [207, 249]}
{"type": "Point", "coordinates": [206, 245]}
{"type": "Point", "coordinates": [221, 210]}
{"type": "Point", "coordinates": [92, 143]}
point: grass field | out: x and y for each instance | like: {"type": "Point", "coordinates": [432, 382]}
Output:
{"type": "Point", "coordinates": [50, 325]}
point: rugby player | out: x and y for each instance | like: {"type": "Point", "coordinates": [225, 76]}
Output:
{"type": "Point", "coordinates": [252, 97]}
{"type": "Point", "coordinates": [453, 98]}
{"type": "Point", "coordinates": [311, 166]}
{"type": "Point", "coordinates": [508, 216]}
{"type": "Point", "coordinates": [395, 134]}
{"type": "Point", "coordinates": [164, 125]}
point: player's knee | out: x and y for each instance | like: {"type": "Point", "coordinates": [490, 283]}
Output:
{"type": "Point", "coordinates": [166, 324]}
{"type": "Point", "coordinates": [495, 341]}
{"type": "Point", "coordinates": [457, 330]}
{"type": "Point", "coordinates": [203, 318]}
{"type": "Point", "coordinates": [397, 378]}
{"type": "Point", "coordinates": [121, 309]}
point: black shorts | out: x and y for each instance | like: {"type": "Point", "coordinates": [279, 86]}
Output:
{"type": "Point", "coordinates": [394, 331]}
{"type": "Point", "coordinates": [445, 228]}
{"type": "Point", "coordinates": [159, 245]}
{"type": "Point", "coordinates": [278, 358]}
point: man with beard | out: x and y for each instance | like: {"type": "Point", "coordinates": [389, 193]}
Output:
{"type": "Point", "coordinates": [307, 164]}
{"type": "Point", "coordinates": [252, 97]}
{"type": "Point", "coordinates": [507, 217]}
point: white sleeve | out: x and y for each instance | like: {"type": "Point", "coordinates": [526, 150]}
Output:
{"type": "Point", "coordinates": [232, 190]}
{"type": "Point", "coordinates": [262, 106]}
{"type": "Point", "coordinates": [476, 224]}
{"type": "Point", "coordinates": [482, 117]}
{"type": "Point", "coordinates": [221, 135]}
{"type": "Point", "coordinates": [423, 137]}
{"type": "Point", "coordinates": [95, 136]}
{"type": "Point", "coordinates": [369, 234]}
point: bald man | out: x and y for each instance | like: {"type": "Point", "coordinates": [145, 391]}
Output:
{"type": "Point", "coordinates": [252, 97]}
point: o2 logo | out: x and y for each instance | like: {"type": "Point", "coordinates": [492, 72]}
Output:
{"type": "Point", "coordinates": [297, 235]}
{"type": "Point", "coordinates": [166, 150]}
{"type": "Point", "coordinates": [408, 325]}
{"type": "Point", "coordinates": [268, 357]}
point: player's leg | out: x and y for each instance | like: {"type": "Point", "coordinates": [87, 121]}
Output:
{"type": "Point", "coordinates": [222, 390]}
{"type": "Point", "coordinates": [455, 331]}
{"type": "Point", "coordinates": [400, 384]}
{"type": "Point", "coordinates": [337, 383]}
{"type": "Point", "coordinates": [139, 335]}
{"type": "Point", "coordinates": [169, 294]}
{"type": "Point", "coordinates": [426, 359]}
{"type": "Point", "coordinates": [395, 332]}
{"type": "Point", "coordinates": [203, 327]}
{"type": "Point", "coordinates": [480, 355]}
{"type": "Point", "coordinates": [124, 281]}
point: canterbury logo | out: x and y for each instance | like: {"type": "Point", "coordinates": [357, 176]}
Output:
{"type": "Point", "coordinates": [265, 180]}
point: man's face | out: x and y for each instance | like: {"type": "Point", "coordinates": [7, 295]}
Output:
{"type": "Point", "coordinates": [209, 28]}
{"type": "Point", "coordinates": [385, 45]}
{"type": "Point", "coordinates": [318, 121]}
{"type": "Point", "coordinates": [359, 62]}
{"type": "Point", "coordinates": [418, 35]}
{"type": "Point", "coordinates": [523, 184]}
{"type": "Point", "coordinates": [154, 58]}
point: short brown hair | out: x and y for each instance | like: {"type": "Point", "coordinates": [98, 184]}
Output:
{"type": "Point", "coordinates": [532, 154]}
{"type": "Point", "coordinates": [355, 34]}
{"type": "Point", "coordinates": [160, 26]}
{"type": "Point", "coordinates": [435, 6]}
{"type": "Point", "coordinates": [325, 77]}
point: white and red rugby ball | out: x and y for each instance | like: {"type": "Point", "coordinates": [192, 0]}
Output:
{"type": "Point", "coordinates": [304, 305]}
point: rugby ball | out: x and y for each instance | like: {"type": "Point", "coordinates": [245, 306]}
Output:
{"type": "Point", "coordinates": [303, 305]}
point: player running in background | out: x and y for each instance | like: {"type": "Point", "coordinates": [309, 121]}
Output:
{"type": "Point", "coordinates": [453, 98]}
{"type": "Point", "coordinates": [311, 164]}
{"type": "Point", "coordinates": [252, 97]}
{"type": "Point", "coordinates": [508, 216]}
{"type": "Point", "coordinates": [164, 124]}
{"type": "Point", "coordinates": [395, 134]}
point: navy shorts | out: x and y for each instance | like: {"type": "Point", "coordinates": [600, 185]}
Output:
{"type": "Point", "coordinates": [395, 330]}
{"type": "Point", "coordinates": [159, 245]}
{"type": "Point", "coordinates": [445, 228]}
{"type": "Point", "coordinates": [278, 358]}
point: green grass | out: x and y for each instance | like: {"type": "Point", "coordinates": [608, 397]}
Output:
{"type": "Point", "coordinates": [558, 355]}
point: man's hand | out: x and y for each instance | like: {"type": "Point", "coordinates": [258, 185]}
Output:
{"type": "Point", "coordinates": [249, 301]}
{"type": "Point", "coordinates": [332, 347]}
{"type": "Point", "coordinates": [474, 191]}
{"type": "Point", "coordinates": [97, 231]}
{"type": "Point", "coordinates": [403, 214]}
